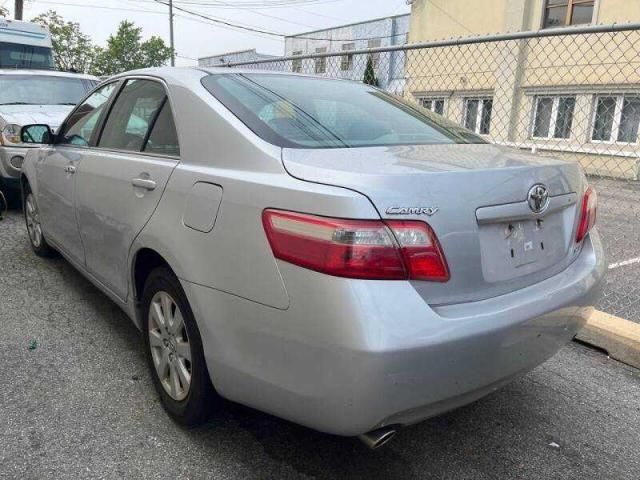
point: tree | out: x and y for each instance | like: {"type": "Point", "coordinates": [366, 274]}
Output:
{"type": "Point", "coordinates": [126, 51]}
{"type": "Point", "coordinates": [4, 12]}
{"type": "Point", "coordinates": [72, 49]}
{"type": "Point", "coordinates": [370, 73]}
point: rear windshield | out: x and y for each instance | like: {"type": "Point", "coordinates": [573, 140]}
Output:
{"type": "Point", "coordinates": [305, 112]}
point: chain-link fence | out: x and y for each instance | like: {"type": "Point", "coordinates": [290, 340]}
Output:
{"type": "Point", "coordinates": [570, 93]}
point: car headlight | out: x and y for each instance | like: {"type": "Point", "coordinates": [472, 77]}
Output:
{"type": "Point", "coordinates": [11, 134]}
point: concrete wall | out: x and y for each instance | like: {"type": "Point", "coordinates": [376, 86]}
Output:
{"type": "Point", "coordinates": [382, 32]}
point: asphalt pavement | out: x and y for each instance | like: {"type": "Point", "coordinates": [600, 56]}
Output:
{"type": "Point", "coordinates": [77, 402]}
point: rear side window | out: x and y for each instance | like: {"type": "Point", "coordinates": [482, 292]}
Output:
{"type": "Point", "coordinates": [305, 112]}
{"type": "Point", "coordinates": [132, 115]}
{"type": "Point", "coordinates": [80, 125]}
{"type": "Point", "coordinates": [163, 139]}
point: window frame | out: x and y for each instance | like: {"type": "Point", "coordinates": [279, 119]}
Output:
{"type": "Point", "coordinates": [296, 64]}
{"type": "Point", "coordinates": [375, 56]}
{"type": "Point", "coordinates": [320, 61]}
{"type": "Point", "coordinates": [555, 107]}
{"type": "Point", "coordinates": [617, 118]}
{"type": "Point", "coordinates": [348, 58]}
{"type": "Point", "coordinates": [105, 116]}
{"type": "Point", "coordinates": [481, 105]}
{"type": "Point", "coordinates": [422, 99]}
{"type": "Point", "coordinates": [567, 20]}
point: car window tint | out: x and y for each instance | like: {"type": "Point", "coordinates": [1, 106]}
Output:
{"type": "Point", "coordinates": [82, 122]}
{"type": "Point", "coordinates": [303, 112]}
{"type": "Point", "coordinates": [136, 107]}
{"type": "Point", "coordinates": [163, 138]}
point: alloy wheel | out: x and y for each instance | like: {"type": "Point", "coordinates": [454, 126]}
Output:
{"type": "Point", "coordinates": [170, 347]}
{"type": "Point", "coordinates": [33, 221]}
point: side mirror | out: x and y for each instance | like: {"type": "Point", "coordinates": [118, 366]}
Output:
{"type": "Point", "coordinates": [38, 133]}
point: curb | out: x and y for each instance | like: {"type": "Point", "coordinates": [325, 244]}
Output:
{"type": "Point", "coordinates": [620, 338]}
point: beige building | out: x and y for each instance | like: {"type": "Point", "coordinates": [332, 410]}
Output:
{"type": "Point", "coordinates": [576, 95]}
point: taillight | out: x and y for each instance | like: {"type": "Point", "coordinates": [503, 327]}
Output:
{"type": "Point", "coordinates": [587, 213]}
{"type": "Point", "coordinates": [367, 249]}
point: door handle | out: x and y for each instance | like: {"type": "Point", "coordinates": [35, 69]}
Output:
{"type": "Point", "coordinates": [145, 183]}
{"type": "Point", "coordinates": [70, 169]}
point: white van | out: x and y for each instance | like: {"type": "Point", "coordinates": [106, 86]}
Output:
{"type": "Point", "coordinates": [24, 45]}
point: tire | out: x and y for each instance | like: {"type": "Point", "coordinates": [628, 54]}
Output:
{"type": "Point", "coordinates": [37, 240]}
{"type": "Point", "coordinates": [190, 406]}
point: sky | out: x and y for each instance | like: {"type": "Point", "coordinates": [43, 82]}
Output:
{"type": "Point", "coordinates": [196, 37]}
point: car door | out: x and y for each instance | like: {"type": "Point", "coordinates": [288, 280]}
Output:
{"type": "Point", "coordinates": [119, 184]}
{"type": "Point", "coordinates": [56, 169]}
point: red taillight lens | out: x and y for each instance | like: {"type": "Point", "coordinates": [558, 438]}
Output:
{"type": "Point", "coordinates": [368, 249]}
{"type": "Point", "coordinates": [587, 213]}
{"type": "Point", "coordinates": [421, 251]}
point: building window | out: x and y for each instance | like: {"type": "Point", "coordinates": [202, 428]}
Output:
{"type": "Point", "coordinates": [321, 63]}
{"type": "Point", "coordinates": [296, 65]}
{"type": "Point", "coordinates": [436, 105]}
{"type": "Point", "coordinates": [616, 118]}
{"type": "Point", "coordinates": [553, 116]}
{"type": "Point", "coordinates": [477, 114]}
{"type": "Point", "coordinates": [375, 43]}
{"type": "Point", "coordinates": [346, 62]}
{"type": "Point", "coordinates": [558, 13]}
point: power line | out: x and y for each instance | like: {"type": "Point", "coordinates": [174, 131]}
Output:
{"type": "Point", "coordinates": [229, 23]}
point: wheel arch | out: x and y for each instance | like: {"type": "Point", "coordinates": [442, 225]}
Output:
{"type": "Point", "coordinates": [144, 262]}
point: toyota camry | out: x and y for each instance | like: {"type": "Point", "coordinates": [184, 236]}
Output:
{"type": "Point", "coordinates": [314, 248]}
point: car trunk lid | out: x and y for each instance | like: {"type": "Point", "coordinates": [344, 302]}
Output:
{"type": "Point", "coordinates": [475, 197]}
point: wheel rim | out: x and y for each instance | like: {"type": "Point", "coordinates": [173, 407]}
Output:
{"type": "Point", "coordinates": [33, 221]}
{"type": "Point", "coordinates": [170, 347]}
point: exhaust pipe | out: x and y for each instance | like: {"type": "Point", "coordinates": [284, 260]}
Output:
{"type": "Point", "coordinates": [377, 438]}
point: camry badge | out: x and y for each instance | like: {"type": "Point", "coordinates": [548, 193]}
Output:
{"type": "Point", "coordinates": [538, 198]}
{"type": "Point", "coordinates": [412, 211]}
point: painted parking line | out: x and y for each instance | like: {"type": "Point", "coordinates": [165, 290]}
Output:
{"type": "Point", "coordinates": [624, 263]}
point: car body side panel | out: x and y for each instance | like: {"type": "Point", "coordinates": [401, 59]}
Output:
{"type": "Point", "coordinates": [111, 211]}
{"type": "Point", "coordinates": [235, 255]}
{"type": "Point", "coordinates": [56, 197]}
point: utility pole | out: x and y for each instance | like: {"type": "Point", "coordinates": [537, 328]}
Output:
{"type": "Point", "coordinates": [18, 9]}
{"type": "Point", "coordinates": [173, 52]}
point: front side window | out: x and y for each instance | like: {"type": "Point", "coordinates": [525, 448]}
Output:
{"type": "Point", "coordinates": [558, 13]}
{"type": "Point", "coordinates": [80, 125]}
{"type": "Point", "coordinates": [304, 112]}
{"type": "Point", "coordinates": [477, 114]}
{"type": "Point", "coordinates": [296, 65]}
{"type": "Point", "coordinates": [553, 116]}
{"type": "Point", "coordinates": [346, 62]}
{"type": "Point", "coordinates": [321, 63]}
{"type": "Point", "coordinates": [41, 90]}
{"type": "Point", "coordinates": [616, 119]}
{"type": "Point", "coordinates": [436, 105]}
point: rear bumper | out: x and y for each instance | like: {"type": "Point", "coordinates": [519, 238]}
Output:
{"type": "Point", "coordinates": [349, 356]}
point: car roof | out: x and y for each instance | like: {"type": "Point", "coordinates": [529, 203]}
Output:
{"type": "Point", "coordinates": [186, 72]}
{"type": "Point", "coordinates": [47, 73]}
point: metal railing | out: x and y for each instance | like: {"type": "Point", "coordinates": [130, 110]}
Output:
{"type": "Point", "coordinates": [572, 93]}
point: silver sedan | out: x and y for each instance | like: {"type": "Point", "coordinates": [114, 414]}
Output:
{"type": "Point", "coordinates": [317, 249]}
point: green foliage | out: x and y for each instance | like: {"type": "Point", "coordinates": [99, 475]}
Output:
{"type": "Point", "coordinates": [72, 49]}
{"type": "Point", "coordinates": [370, 73]}
{"type": "Point", "coordinates": [125, 50]}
